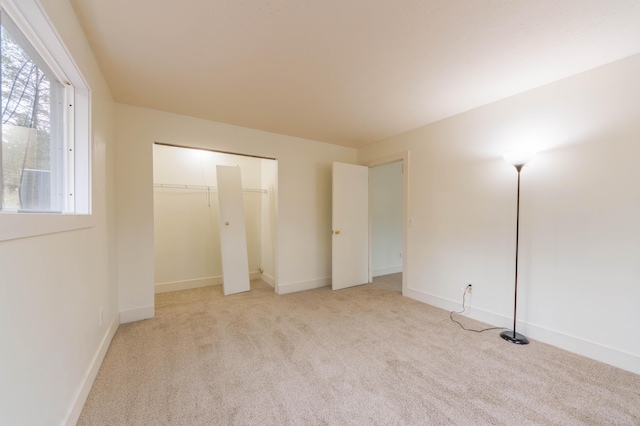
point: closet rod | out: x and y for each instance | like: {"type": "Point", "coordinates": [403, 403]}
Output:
{"type": "Point", "coordinates": [202, 187]}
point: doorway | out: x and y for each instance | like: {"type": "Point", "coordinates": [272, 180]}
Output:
{"type": "Point", "coordinates": [187, 249]}
{"type": "Point", "coordinates": [392, 174]}
{"type": "Point", "coordinates": [385, 187]}
{"type": "Point", "coordinates": [352, 184]}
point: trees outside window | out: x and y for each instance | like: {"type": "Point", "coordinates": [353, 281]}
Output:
{"type": "Point", "coordinates": [32, 177]}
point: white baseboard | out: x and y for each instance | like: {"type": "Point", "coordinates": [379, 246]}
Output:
{"type": "Point", "coordinates": [303, 285]}
{"type": "Point", "coordinates": [608, 355]}
{"type": "Point", "coordinates": [387, 270]}
{"type": "Point", "coordinates": [137, 314]}
{"type": "Point", "coordinates": [269, 279]}
{"type": "Point", "coordinates": [187, 284]}
{"type": "Point", "coordinates": [196, 283]}
{"type": "Point", "coordinates": [90, 375]}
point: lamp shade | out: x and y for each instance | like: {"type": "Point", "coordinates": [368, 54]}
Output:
{"type": "Point", "coordinates": [519, 158]}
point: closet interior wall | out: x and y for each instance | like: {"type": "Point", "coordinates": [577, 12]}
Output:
{"type": "Point", "coordinates": [186, 229]}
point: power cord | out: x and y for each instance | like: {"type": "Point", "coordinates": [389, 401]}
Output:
{"type": "Point", "coordinates": [466, 290]}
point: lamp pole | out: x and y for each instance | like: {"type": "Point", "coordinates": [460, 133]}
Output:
{"type": "Point", "coordinates": [517, 160]}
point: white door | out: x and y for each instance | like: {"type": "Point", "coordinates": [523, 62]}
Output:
{"type": "Point", "coordinates": [350, 246]}
{"type": "Point", "coordinates": [233, 238]}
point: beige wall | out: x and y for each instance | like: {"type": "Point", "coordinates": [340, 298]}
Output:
{"type": "Point", "coordinates": [580, 233]}
{"type": "Point", "coordinates": [304, 198]}
{"type": "Point", "coordinates": [53, 286]}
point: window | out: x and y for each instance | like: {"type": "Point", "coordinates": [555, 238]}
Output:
{"type": "Point", "coordinates": [33, 136]}
{"type": "Point", "coordinates": [44, 156]}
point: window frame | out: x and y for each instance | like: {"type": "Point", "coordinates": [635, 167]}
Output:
{"type": "Point", "coordinates": [31, 20]}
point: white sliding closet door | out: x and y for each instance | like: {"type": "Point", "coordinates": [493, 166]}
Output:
{"type": "Point", "coordinates": [233, 239]}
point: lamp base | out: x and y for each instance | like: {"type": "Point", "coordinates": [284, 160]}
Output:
{"type": "Point", "coordinates": [513, 337]}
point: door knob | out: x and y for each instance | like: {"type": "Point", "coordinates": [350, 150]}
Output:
{"type": "Point", "coordinates": [337, 231]}
{"type": "Point", "coordinates": [226, 223]}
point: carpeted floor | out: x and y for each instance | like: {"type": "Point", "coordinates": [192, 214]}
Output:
{"type": "Point", "coordinates": [360, 356]}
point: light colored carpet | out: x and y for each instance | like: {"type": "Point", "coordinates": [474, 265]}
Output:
{"type": "Point", "coordinates": [360, 356]}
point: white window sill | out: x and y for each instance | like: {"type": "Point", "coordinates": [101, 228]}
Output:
{"type": "Point", "coordinates": [23, 225]}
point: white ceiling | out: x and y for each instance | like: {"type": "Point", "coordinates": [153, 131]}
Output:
{"type": "Point", "coordinates": [349, 72]}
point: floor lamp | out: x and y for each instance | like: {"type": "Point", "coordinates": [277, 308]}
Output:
{"type": "Point", "coordinates": [517, 160]}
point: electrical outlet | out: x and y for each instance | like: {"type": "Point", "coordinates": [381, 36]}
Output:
{"type": "Point", "coordinates": [101, 316]}
{"type": "Point", "coordinates": [470, 287]}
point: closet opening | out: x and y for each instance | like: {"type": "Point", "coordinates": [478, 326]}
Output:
{"type": "Point", "coordinates": [188, 252]}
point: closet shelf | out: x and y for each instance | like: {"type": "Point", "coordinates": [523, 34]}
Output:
{"type": "Point", "coordinates": [202, 187]}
